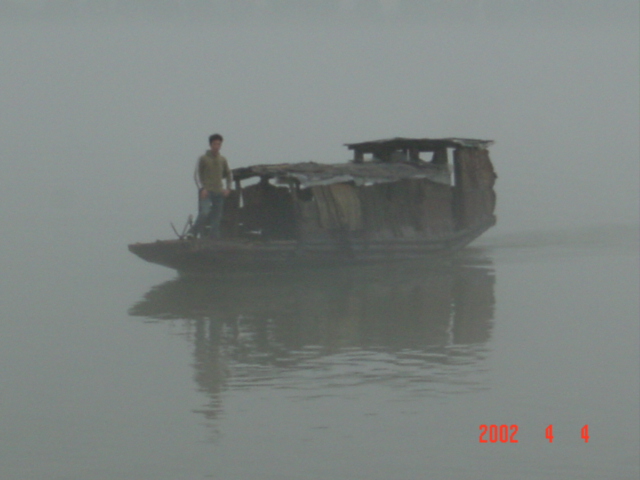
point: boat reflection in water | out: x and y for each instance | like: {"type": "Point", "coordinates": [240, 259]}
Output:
{"type": "Point", "coordinates": [421, 327]}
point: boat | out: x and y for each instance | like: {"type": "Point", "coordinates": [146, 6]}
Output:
{"type": "Point", "coordinates": [386, 204]}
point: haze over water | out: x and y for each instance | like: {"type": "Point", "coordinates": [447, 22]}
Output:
{"type": "Point", "coordinates": [113, 368]}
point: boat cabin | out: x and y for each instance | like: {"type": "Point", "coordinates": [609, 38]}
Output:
{"type": "Point", "coordinates": [394, 190]}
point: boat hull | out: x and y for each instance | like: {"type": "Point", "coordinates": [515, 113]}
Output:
{"type": "Point", "coordinates": [209, 256]}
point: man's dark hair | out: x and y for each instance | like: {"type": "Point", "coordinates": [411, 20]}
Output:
{"type": "Point", "coordinates": [215, 136]}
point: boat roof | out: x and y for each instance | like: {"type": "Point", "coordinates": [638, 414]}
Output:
{"type": "Point", "coordinates": [420, 144]}
{"type": "Point", "coordinates": [310, 174]}
{"type": "Point", "coordinates": [377, 170]}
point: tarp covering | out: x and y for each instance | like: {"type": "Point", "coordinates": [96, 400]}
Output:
{"type": "Point", "coordinates": [338, 207]}
{"type": "Point", "coordinates": [474, 196]}
{"type": "Point", "coordinates": [310, 174]}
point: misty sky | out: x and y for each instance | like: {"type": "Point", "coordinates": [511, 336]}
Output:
{"type": "Point", "coordinates": [106, 106]}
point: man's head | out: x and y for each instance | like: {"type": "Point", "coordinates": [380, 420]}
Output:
{"type": "Point", "coordinates": [215, 142]}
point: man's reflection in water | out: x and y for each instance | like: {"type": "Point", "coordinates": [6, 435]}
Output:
{"type": "Point", "coordinates": [407, 321]}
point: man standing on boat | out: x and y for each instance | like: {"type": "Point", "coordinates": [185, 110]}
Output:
{"type": "Point", "coordinates": [211, 169]}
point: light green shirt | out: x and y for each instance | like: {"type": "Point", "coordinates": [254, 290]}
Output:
{"type": "Point", "coordinates": [210, 171]}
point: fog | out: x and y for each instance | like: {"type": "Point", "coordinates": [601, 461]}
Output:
{"type": "Point", "coordinates": [105, 107]}
{"type": "Point", "coordinates": [114, 368]}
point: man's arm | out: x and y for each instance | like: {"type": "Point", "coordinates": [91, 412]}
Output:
{"type": "Point", "coordinates": [196, 175]}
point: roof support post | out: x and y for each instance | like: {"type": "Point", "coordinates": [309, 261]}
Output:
{"type": "Point", "coordinates": [293, 188]}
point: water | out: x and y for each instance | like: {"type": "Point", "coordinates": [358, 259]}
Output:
{"type": "Point", "coordinates": [364, 373]}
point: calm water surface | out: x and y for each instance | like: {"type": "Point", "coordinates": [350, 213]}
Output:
{"type": "Point", "coordinates": [127, 371]}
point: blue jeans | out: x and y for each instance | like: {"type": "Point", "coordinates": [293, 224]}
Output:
{"type": "Point", "coordinates": [209, 215]}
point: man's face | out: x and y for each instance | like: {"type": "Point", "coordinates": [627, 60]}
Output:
{"type": "Point", "coordinates": [215, 146]}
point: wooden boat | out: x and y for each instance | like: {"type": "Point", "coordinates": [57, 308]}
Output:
{"type": "Point", "coordinates": [386, 204]}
